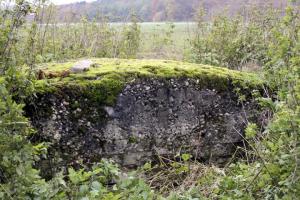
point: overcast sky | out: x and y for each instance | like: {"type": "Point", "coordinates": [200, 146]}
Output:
{"type": "Point", "coordinates": [59, 2]}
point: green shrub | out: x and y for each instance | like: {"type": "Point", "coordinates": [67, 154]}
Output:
{"type": "Point", "coordinates": [237, 41]}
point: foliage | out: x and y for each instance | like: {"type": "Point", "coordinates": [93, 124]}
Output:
{"type": "Point", "coordinates": [152, 11]}
{"type": "Point", "coordinates": [236, 41]}
{"type": "Point", "coordinates": [270, 169]}
{"type": "Point", "coordinates": [18, 178]}
{"type": "Point", "coordinates": [119, 10]}
{"type": "Point", "coordinates": [85, 39]}
{"type": "Point", "coordinates": [131, 39]}
{"type": "Point", "coordinates": [164, 41]}
{"type": "Point", "coordinates": [275, 172]}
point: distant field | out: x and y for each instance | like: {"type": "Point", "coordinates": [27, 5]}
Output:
{"type": "Point", "coordinates": [161, 40]}
{"type": "Point", "coordinates": [182, 30]}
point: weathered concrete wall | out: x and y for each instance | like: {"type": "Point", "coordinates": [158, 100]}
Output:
{"type": "Point", "coordinates": [151, 117]}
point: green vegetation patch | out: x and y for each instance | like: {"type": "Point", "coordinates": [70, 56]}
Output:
{"type": "Point", "coordinates": [107, 77]}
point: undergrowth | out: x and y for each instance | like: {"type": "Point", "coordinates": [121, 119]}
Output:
{"type": "Point", "coordinates": [271, 173]}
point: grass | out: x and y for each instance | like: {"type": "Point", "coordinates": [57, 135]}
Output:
{"type": "Point", "coordinates": [182, 32]}
{"type": "Point", "coordinates": [154, 36]}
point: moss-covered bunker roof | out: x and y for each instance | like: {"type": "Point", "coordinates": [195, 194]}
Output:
{"type": "Point", "coordinates": [110, 75]}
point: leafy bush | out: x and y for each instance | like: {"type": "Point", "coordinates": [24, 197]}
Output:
{"type": "Point", "coordinates": [237, 41]}
{"type": "Point", "coordinates": [89, 38]}
{"type": "Point", "coordinates": [275, 172]}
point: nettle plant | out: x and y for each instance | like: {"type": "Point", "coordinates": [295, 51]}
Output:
{"type": "Point", "coordinates": [94, 37]}
{"type": "Point", "coordinates": [235, 42]}
{"type": "Point", "coordinates": [275, 172]}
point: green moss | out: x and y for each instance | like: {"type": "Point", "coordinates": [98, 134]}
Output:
{"type": "Point", "coordinates": [74, 105]}
{"type": "Point", "coordinates": [133, 140]}
{"type": "Point", "coordinates": [105, 80]}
